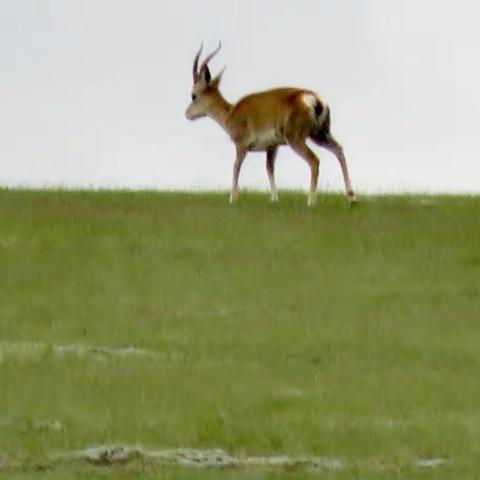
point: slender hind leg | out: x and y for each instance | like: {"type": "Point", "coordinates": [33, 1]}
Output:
{"type": "Point", "coordinates": [241, 153]}
{"type": "Point", "coordinates": [300, 147]}
{"type": "Point", "coordinates": [333, 146]}
{"type": "Point", "coordinates": [271, 154]}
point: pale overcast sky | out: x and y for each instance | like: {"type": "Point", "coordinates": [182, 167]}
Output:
{"type": "Point", "coordinates": [93, 93]}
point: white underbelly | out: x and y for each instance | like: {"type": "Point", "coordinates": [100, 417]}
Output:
{"type": "Point", "coordinates": [264, 140]}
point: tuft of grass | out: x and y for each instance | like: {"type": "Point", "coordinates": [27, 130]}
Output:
{"type": "Point", "coordinates": [340, 332]}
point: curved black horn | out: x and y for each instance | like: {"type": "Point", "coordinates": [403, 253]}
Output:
{"type": "Point", "coordinates": [195, 63]}
{"type": "Point", "coordinates": [209, 57]}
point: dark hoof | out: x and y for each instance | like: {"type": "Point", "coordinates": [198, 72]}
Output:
{"type": "Point", "coordinates": [352, 199]}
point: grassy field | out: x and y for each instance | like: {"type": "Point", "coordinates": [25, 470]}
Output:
{"type": "Point", "coordinates": [177, 321]}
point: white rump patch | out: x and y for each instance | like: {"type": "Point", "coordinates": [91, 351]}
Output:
{"type": "Point", "coordinates": [310, 100]}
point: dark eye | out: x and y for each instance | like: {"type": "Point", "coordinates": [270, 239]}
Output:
{"type": "Point", "coordinates": [194, 97]}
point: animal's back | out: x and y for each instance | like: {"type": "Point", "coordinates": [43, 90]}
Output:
{"type": "Point", "coordinates": [266, 103]}
{"type": "Point", "coordinates": [266, 113]}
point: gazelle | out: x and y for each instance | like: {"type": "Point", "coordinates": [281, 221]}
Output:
{"type": "Point", "coordinates": [265, 120]}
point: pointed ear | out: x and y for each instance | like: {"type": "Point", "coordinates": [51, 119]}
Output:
{"type": "Point", "coordinates": [216, 81]}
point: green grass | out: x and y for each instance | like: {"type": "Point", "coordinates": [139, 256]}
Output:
{"type": "Point", "coordinates": [340, 332]}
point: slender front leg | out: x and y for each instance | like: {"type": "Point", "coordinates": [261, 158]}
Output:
{"type": "Point", "coordinates": [333, 146]}
{"type": "Point", "coordinates": [241, 153]}
{"type": "Point", "coordinates": [271, 154]}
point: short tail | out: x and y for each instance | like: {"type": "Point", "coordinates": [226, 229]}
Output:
{"type": "Point", "coordinates": [320, 132]}
{"type": "Point", "coordinates": [322, 115]}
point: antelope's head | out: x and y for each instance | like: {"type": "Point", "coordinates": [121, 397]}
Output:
{"type": "Point", "coordinates": [205, 88]}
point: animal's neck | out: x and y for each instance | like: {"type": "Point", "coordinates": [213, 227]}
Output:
{"type": "Point", "coordinates": [219, 108]}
